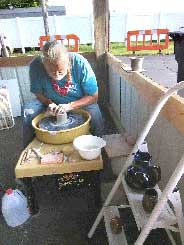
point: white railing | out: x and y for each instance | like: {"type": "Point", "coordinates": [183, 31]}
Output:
{"type": "Point", "coordinates": [25, 32]}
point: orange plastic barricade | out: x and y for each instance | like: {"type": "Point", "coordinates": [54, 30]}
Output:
{"type": "Point", "coordinates": [72, 41]}
{"type": "Point", "coordinates": [76, 40]}
{"type": "Point", "coordinates": [145, 40]}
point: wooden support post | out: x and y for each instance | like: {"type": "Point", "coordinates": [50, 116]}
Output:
{"type": "Point", "coordinates": [101, 36]}
{"type": "Point", "coordinates": [101, 26]}
{"type": "Point", "coordinates": [45, 17]}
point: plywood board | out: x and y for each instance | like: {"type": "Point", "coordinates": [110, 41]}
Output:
{"type": "Point", "coordinates": [154, 138]}
{"type": "Point", "coordinates": [128, 107]}
{"type": "Point", "coordinates": [170, 151]}
{"type": "Point", "coordinates": [123, 101]}
{"type": "Point", "coordinates": [151, 92]}
{"type": "Point", "coordinates": [116, 145]}
{"type": "Point", "coordinates": [22, 73]}
{"type": "Point", "coordinates": [114, 86]}
{"type": "Point", "coordinates": [143, 115]}
{"type": "Point", "coordinates": [134, 113]}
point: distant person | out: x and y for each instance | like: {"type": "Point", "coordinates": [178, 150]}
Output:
{"type": "Point", "coordinates": [61, 81]}
{"type": "Point", "coordinates": [179, 56]}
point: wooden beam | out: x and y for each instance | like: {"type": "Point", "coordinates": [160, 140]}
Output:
{"type": "Point", "coordinates": [151, 91]}
{"type": "Point", "coordinates": [45, 17]}
{"type": "Point", "coordinates": [101, 26]}
{"type": "Point", "coordinates": [16, 61]}
{"type": "Point", "coordinates": [25, 60]}
{"type": "Point", "coordinates": [101, 36]}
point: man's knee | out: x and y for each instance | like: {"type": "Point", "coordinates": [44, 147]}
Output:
{"type": "Point", "coordinates": [31, 110]}
{"type": "Point", "coordinates": [97, 122]}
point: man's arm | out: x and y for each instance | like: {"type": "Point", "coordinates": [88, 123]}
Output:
{"type": "Point", "coordinates": [85, 100]}
{"type": "Point", "coordinates": [43, 99]}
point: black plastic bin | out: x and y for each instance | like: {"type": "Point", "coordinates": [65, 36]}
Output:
{"type": "Point", "coordinates": [178, 37]}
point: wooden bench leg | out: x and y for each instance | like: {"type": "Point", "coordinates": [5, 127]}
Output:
{"type": "Point", "coordinates": [94, 187]}
{"type": "Point", "coordinates": [97, 190]}
{"type": "Point", "coordinates": [32, 202]}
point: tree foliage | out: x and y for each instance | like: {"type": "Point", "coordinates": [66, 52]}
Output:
{"type": "Point", "coordinates": [6, 4]}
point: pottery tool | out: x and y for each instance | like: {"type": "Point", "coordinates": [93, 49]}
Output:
{"type": "Point", "coordinates": [25, 156]}
{"type": "Point", "coordinates": [49, 158]}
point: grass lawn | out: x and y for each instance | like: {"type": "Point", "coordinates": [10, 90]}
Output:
{"type": "Point", "coordinates": [115, 49]}
{"type": "Point", "coordinates": [121, 49]}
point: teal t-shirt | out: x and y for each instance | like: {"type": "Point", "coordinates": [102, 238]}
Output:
{"type": "Point", "coordinates": [83, 80]}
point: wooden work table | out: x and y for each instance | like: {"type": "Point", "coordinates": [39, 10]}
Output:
{"type": "Point", "coordinates": [31, 167]}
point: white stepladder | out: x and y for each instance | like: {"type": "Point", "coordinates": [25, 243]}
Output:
{"type": "Point", "coordinates": [162, 216]}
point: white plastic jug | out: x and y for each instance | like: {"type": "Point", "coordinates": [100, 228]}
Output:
{"type": "Point", "coordinates": [15, 208]}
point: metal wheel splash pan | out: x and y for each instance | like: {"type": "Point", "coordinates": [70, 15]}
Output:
{"type": "Point", "coordinates": [61, 136]}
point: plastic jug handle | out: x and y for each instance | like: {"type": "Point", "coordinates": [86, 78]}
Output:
{"type": "Point", "coordinates": [20, 193]}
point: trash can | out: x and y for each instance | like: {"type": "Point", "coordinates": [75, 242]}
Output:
{"type": "Point", "coordinates": [178, 38]}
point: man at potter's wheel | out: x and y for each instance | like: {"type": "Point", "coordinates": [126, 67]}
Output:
{"type": "Point", "coordinates": [61, 82]}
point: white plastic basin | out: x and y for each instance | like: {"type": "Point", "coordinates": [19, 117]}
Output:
{"type": "Point", "coordinates": [89, 146]}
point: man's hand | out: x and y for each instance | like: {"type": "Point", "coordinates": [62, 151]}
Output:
{"type": "Point", "coordinates": [61, 108]}
{"type": "Point", "coordinates": [64, 108]}
{"type": "Point", "coordinates": [52, 109]}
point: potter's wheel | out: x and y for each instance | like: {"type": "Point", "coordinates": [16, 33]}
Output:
{"type": "Point", "coordinates": [73, 120]}
{"type": "Point", "coordinates": [52, 130]}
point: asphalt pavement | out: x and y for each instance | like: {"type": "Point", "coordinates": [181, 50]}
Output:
{"type": "Point", "coordinates": [160, 68]}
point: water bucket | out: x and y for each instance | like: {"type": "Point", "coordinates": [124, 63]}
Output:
{"type": "Point", "coordinates": [136, 63]}
{"type": "Point", "coordinates": [15, 208]}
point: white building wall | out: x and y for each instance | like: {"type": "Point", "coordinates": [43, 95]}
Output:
{"type": "Point", "coordinates": [79, 25]}
{"type": "Point", "coordinates": [25, 32]}
{"type": "Point", "coordinates": [172, 21]}
{"type": "Point", "coordinates": [118, 27]}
